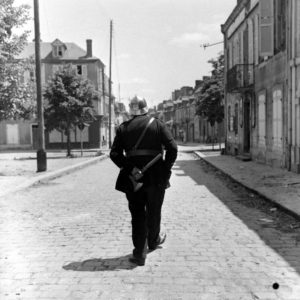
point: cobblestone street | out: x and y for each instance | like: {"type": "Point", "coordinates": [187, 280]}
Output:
{"type": "Point", "coordinates": [70, 238]}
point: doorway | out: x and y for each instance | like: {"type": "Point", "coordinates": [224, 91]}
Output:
{"type": "Point", "coordinates": [12, 134]}
{"type": "Point", "coordinates": [247, 124]}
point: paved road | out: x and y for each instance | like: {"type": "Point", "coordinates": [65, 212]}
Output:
{"type": "Point", "coordinates": [70, 239]}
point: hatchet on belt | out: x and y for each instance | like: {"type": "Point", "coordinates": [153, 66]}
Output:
{"type": "Point", "coordinates": [137, 174]}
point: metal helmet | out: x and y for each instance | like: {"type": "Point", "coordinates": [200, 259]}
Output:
{"type": "Point", "coordinates": [137, 106]}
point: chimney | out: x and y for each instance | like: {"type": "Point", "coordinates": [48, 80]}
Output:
{"type": "Point", "coordinates": [89, 50]}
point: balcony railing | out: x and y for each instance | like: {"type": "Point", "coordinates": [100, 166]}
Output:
{"type": "Point", "coordinates": [240, 77]}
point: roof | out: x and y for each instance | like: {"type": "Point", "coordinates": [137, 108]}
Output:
{"type": "Point", "coordinates": [72, 51]}
{"type": "Point", "coordinates": [237, 9]}
{"type": "Point", "coordinates": [185, 98]}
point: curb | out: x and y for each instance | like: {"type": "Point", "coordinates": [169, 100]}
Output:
{"type": "Point", "coordinates": [54, 174]}
{"type": "Point", "coordinates": [261, 194]}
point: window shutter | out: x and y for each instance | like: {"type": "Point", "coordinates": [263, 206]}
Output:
{"type": "Point", "coordinates": [229, 56]}
{"type": "Point", "coordinates": [277, 118]}
{"type": "Point", "coordinates": [84, 71]}
{"type": "Point", "coordinates": [251, 43]}
{"type": "Point", "coordinates": [280, 121]}
{"type": "Point", "coordinates": [262, 118]}
{"type": "Point", "coordinates": [256, 38]}
{"type": "Point", "coordinates": [266, 33]}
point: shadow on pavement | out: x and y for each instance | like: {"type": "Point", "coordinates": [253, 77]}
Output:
{"type": "Point", "coordinates": [101, 264]}
{"type": "Point", "coordinates": [277, 229]}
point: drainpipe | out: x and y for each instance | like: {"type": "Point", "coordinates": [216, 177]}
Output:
{"type": "Point", "coordinates": [225, 89]}
{"type": "Point", "coordinates": [291, 78]}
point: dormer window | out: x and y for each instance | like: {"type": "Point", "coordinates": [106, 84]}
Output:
{"type": "Point", "coordinates": [58, 49]}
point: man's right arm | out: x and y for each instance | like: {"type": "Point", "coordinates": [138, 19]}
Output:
{"type": "Point", "coordinates": [117, 152]}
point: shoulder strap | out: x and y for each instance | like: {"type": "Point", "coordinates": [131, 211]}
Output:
{"type": "Point", "coordinates": [143, 133]}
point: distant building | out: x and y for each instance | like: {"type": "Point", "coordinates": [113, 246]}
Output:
{"type": "Point", "coordinates": [121, 115]}
{"type": "Point", "coordinates": [179, 114]}
{"type": "Point", "coordinates": [54, 56]}
{"type": "Point", "coordinates": [293, 69]}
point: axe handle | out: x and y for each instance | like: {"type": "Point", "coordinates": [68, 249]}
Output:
{"type": "Point", "coordinates": [151, 162]}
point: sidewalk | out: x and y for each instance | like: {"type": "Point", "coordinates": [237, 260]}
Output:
{"type": "Point", "coordinates": [18, 169]}
{"type": "Point", "coordinates": [280, 187]}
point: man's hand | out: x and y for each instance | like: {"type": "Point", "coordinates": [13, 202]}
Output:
{"type": "Point", "coordinates": [136, 173]}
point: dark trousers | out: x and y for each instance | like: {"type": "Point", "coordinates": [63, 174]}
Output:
{"type": "Point", "coordinates": [145, 208]}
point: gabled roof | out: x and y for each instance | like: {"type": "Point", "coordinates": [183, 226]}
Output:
{"type": "Point", "coordinates": [72, 51]}
{"type": "Point", "coordinates": [57, 42]}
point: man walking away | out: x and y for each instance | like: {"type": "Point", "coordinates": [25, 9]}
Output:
{"type": "Point", "coordinates": [143, 139]}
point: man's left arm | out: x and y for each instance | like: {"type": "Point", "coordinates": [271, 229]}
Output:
{"type": "Point", "coordinates": [170, 147]}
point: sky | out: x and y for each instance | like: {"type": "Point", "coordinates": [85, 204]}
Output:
{"type": "Point", "coordinates": [156, 43]}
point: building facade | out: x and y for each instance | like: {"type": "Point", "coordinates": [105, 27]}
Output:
{"type": "Point", "coordinates": [179, 113]}
{"type": "Point", "coordinates": [54, 56]}
{"type": "Point", "coordinates": [256, 50]}
{"type": "Point", "coordinates": [293, 69]}
{"type": "Point", "coordinates": [121, 115]}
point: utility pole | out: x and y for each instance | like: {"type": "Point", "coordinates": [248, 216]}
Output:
{"type": "Point", "coordinates": [109, 89]}
{"type": "Point", "coordinates": [41, 153]}
{"type": "Point", "coordinates": [204, 46]}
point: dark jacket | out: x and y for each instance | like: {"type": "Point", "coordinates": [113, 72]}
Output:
{"type": "Point", "coordinates": [157, 137]}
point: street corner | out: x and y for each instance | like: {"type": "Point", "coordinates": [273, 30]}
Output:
{"type": "Point", "coordinates": [17, 174]}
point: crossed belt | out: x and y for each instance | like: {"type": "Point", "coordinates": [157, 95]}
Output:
{"type": "Point", "coordinates": [143, 152]}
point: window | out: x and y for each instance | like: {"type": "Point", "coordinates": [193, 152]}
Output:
{"type": "Point", "coordinates": [279, 25]}
{"type": "Point", "coordinates": [266, 33]}
{"type": "Point", "coordinates": [81, 70]}
{"type": "Point", "coordinates": [262, 118]}
{"type": "Point", "coordinates": [58, 51]}
{"type": "Point", "coordinates": [277, 118]}
{"type": "Point", "coordinates": [272, 26]}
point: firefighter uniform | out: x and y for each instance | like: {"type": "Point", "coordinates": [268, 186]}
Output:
{"type": "Point", "coordinates": [145, 204]}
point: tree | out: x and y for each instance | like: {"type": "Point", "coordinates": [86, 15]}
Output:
{"type": "Point", "coordinates": [69, 102]}
{"type": "Point", "coordinates": [16, 96]}
{"type": "Point", "coordinates": [210, 104]}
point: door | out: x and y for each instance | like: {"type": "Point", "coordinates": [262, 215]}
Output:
{"type": "Point", "coordinates": [35, 136]}
{"type": "Point", "coordinates": [12, 134]}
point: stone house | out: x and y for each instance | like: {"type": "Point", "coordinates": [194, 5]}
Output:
{"type": "Point", "coordinates": [183, 125]}
{"type": "Point", "coordinates": [179, 113]}
{"type": "Point", "coordinates": [293, 69]}
{"type": "Point", "coordinates": [186, 125]}
{"type": "Point", "coordinates": [256, 93]}
{"type": "Point", "coordinates": [55, 56]}
{"type": "Point", "coordinates": [121, 115]}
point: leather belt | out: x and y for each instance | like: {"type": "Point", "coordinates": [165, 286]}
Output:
{"type": "Point", "coordinates": [142, 152]}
